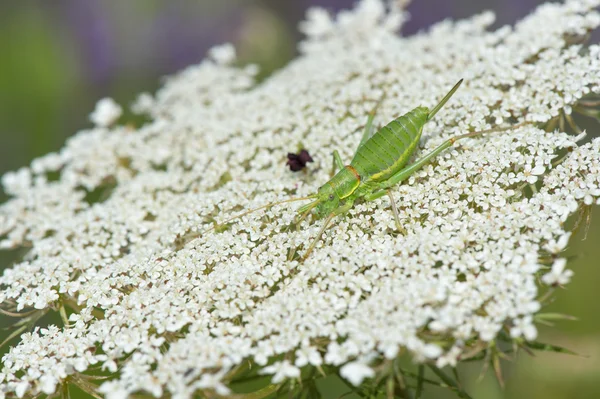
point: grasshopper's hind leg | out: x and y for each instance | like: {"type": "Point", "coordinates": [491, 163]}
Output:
{"type": "Point", "coordinates": [418, 164]}
{"type": "Point", "coordinates": [395, 211]}
{"type": "Point", "coordinates": [384, 186]}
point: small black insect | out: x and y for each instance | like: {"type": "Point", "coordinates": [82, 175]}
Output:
{"type": "Point", "coordinates": [298, 161]}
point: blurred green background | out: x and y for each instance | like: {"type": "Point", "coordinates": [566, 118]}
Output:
{"type": "Point", "coordinates": [57, 58]}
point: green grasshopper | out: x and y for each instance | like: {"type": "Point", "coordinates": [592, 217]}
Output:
{"type": "Point", "coordinates": [378, 164]}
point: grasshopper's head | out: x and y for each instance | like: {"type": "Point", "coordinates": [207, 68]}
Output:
{"type": "Point", "coordinates": [326, 201]}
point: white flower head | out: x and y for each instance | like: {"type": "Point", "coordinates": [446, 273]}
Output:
{"type": "Point", "coordinates": [106, 113]}
{"type": "Point", "coordinates": [134, 229]}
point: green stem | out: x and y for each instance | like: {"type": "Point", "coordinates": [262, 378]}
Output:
{"type": "Point", "coordinates": [450, 382]}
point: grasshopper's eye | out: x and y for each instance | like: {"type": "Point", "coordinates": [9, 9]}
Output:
{"type": "Point", "coordinates": [331, 197]}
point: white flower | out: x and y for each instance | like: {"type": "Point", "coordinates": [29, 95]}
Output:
{"type": "Point", "coordinates": [112, 390]}
{"type": "Point", "coordinates": [106, 113]}
{"type": "Point", "coordinates": [524, 326]}
{"type": "Point", "coordinates": [432, 351]}
{"type": "Point", "coordinates": [223, 54]}
{"type": "Point", "coordinates": [110, 365]}
{"type": "Point", "coordinates": [532, 173]}
{"type": "Point", "coordinates": [281, 371]}
{"type": "Point", "coordinates": [555, 247]}
{"type": "Point", "coordinates": [451, 357]}
{"type": "Point", "coordinates": [308, 355]}
{"type": "Point", "coordinates": [21, 388]}
{"type": "Point", "coordinates": [213, 381]}
{"type": "Point", "coordinates": [558, 274]}
{"type": "Point", "coordinates": [48, 384]}
{"type": "Point", "coordinates": [122, 225]}
{"type": "Point", "coordinates": [318, 23]}
{"type": "Point", "coordinates": [356, 372]}
{"type": "Point", "coordinates": [143, 104]}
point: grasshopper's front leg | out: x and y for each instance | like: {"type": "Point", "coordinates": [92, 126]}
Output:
{"type": "Point", "coordinates": [338, 164]}
{"type": "Point", "coordinates": [368, 130]}
{"type": "Point", "coordinates": [380, 193]}
{"type": "Point", "coordinates": [339, 211]}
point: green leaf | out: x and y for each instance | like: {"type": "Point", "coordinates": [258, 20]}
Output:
{"type": "Point", "coordinates": [540, 346]}
{"type": "Point", "coordinates": [553, 316]}
{"type": "Point", "coordinates": [498, 370]}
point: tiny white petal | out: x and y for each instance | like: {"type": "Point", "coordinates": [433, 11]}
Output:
{"type": "Point", "coordinates": [538, 170]}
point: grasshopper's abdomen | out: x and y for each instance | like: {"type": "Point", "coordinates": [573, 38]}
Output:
{"type": "Point", "coordinates": [388, 150]}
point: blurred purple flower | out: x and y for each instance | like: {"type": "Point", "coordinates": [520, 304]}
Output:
{"type": "Point", "coordinates": [91, 29]}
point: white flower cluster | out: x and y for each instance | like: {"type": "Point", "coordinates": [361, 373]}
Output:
{"type": "Point", "coordinates": [106, 113]}
{"type": "Point", "coordinates": [113, 220]}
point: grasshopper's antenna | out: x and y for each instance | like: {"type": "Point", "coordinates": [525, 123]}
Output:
{"type": "Point", "coordinates": [256, 209]}
{"type": "Point", "coordinates": [305, 209]}
{"type": "Point", "coordinates": [444, 101]}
